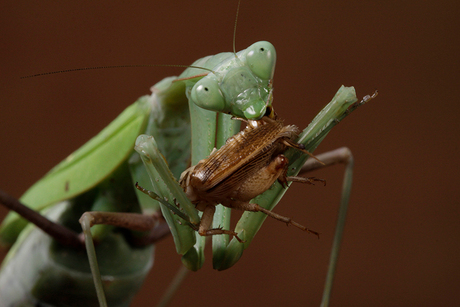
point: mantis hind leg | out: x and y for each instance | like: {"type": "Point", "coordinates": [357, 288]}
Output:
{"type": "Point", "coordinates": [86, 226]}
{"type": "Point", "coordinates": [131, 221]}
{"type": "Point", "coordinates": [340, 155]}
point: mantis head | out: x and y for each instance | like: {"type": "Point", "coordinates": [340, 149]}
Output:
{"type": "Point", "coordinates": [240, 85]}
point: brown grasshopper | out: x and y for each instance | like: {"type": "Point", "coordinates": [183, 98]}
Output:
{"type": "Point", "coordinates": [246, 166]}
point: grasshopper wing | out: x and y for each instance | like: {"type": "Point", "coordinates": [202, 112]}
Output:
{"type": "Point", "coordinates": [243, 155]}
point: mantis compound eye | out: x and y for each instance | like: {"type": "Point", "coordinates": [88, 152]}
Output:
{"type": "Point", "coordinates": [261, 58]}
{"type": "Point", "coordinates": [207, 95]}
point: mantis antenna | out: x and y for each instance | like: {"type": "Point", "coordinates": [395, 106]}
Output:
{"type": "Point", "coordinates": [234, 29]}
{"type": "Point", "coordinates": [114, 66]}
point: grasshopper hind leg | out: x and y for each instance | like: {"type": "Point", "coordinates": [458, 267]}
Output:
{"type": "Point", "coordinates": [206, 222]}
{"type": "Point", "coordinates": [257, 208]}
{"type": "Point", "coordinates": [307, 180]}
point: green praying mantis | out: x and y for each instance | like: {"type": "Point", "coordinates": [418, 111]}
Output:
{"type": "Point", "coordinates": [177, 105]}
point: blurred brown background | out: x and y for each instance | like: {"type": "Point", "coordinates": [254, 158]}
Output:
{"type": "Point", "coordinates": [401, 245]}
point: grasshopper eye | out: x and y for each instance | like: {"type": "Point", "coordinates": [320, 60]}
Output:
{"type": "Point", "coordinates": [261, 58]}
{"type": "Point", "coordinates": [207, 95]}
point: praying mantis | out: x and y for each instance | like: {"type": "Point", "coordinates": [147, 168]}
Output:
{"type": "Point", "coordinates": [193, 72]}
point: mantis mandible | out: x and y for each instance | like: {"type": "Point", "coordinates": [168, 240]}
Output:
{"type": "Point", "coordinates": [137, 118]}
